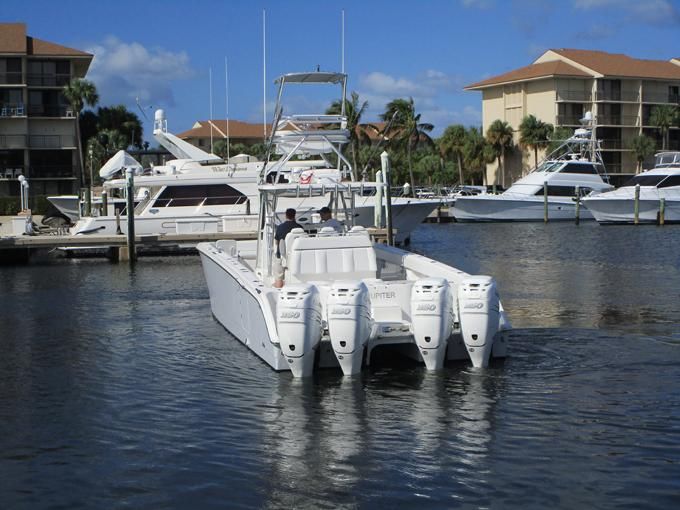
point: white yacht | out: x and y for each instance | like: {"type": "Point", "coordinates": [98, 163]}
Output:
{"type": "Point", "coordinates": [575, 165]}
{"type": "Point", "coordinates": [199, 192]}
{"type": "Point", "coordinates": [662, 181]}
{"type": "Point", "coordinates": [332, 299]}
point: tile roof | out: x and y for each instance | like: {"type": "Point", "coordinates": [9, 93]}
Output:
{"type": "Point", "coordinates": [618, 64]}
{"type": "Point", "coordinates": [531, 72]}
{"type": "Point", "coordinates": [39, 47]}
{"type": "Point", "coordinates": [13, 40]}
{"type": "Point", "coordinates": [239, 129]}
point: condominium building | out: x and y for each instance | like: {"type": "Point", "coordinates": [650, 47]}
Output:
{"type": "Point", "coordinates": [37, 125]}
{"type": "Point", "coordinates": [562, 84]}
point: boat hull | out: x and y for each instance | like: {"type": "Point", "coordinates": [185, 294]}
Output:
{"type": "Point", "coordinates": [611, 210]}
{"type": "Point", "coordinates": [500, 208]}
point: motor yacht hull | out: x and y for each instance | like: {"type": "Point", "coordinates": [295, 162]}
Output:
{"type": "Point", "coordinates": [503, 208]}
{"type": "Point", "coordinates": [622, 210]}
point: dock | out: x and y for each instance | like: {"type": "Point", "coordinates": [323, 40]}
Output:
{"type": "Point", "coordinates": [17, 249]}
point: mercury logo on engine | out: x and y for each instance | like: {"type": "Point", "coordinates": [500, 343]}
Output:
{"type": "Point", "coordinates": [289, 315]}
{"type": "Point", "coordinates": [474, 306]}
{"type": "Point", "coordinates": [430, 307]}
{"type": "Point", "coordinates": [340, 311]}
{"type": "Point", "coordinates": [383, 295]}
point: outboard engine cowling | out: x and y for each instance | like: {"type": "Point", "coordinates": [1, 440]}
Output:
{"type": "Point", "coordinates": [348, 312]}
{"type": "Point", "coordinates": [478, 312]}
{"type": "Point", "coordinates": [299, 324]}
{"type": "Point", "coordinates": [432, 319]}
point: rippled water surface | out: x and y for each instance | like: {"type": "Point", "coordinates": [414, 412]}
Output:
{"type": "Point", "coordinates": [118, 389]}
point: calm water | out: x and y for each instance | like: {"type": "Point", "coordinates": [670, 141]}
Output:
{"type": "Point", "coordinates": [118, 389]}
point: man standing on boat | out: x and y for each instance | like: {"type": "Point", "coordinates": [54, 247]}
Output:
{"type": "Point", "coordinates": [328, 220]}
{"type": "Point", "coordinates": [284, 229]}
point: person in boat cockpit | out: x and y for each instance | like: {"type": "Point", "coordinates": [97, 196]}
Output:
{"type": "Point", "coordinates": [284, 229]}
{"type": "Point", "coordinates": [328, 220]}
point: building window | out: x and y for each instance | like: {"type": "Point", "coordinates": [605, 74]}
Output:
{"type": "Point", "coordinates": [10, 71]}
{"type": "Point", "coordinates": [674, 94]}
{"type": "Point", "coordinates": [47, 164]}
{"type": "Point", "coordinates": [49, 73]}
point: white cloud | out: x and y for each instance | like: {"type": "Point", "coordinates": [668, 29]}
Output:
{"type": "Point", "coordinates": [125, 71]}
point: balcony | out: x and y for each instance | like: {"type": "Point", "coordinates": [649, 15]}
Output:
{"type": "Point", "coordinates": [651, 97]}
{"type": "Point", "coordinates": [574, 95]}
{"type": "Point", "coordinates": [12, 141]}
{"type": "Point", "coordinates": [617, 97]}
{"type": "Point", "coordinates": [51, 172]}
{"type": "Point", "coordinates": [618, 120]}
{"type": "Point", "coordinates": [48, 80]}
{"type": "Point", "coordinates": [612, 144]}
{"type": "Point", "coordinates": [12, 110]}
{"type": "Point", "coordinates": [52, 141]}
{"type": "Point", "coordinates": [11, 172]}
{"type": "Point", "coordinates": [568, 120]}
{"type": "Point", "coordinates": [11, 78]}
{"type": "Point", "coordinates": [49, 110]}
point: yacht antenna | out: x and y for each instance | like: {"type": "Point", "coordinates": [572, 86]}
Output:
{"type": "Point", "coordinates": [226, 100]}
{"type": "Point", "coordinates": [211, 110]}
{"type": "Point", "coordinates": [264, 74]}
{"type": "Point", "coordinates": [142, 109]}
{"type": "Point", "coordinates": [343, 41]}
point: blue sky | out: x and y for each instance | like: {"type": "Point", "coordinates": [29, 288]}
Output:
{"type": "Point", "coordinates": [161, 51]}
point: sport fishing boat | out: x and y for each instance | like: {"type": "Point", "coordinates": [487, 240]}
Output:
{"type": "Point", "coordinates": [199, 192]}
{"type": "Point", "coordinates": [333, 298]}
{"type": "Point", "coordinates": [572, 171]}
{"type": "Point", "coordinates": [660, 182]}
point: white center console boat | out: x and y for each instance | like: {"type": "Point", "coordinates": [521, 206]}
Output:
{"type": "Point", "coordinates": [343, 296]}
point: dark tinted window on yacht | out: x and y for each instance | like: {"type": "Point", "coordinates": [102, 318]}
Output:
{"type": "Point", "coordinates": [211, 194]}
{"type": "Point", "coordinates": [579, 168]}
{"type": "Point", "coordinates": [560, 191]}
{"type": "Point", "coordinates": [672, 180]}
{"type": "Point", "coordinates": [644, 180]}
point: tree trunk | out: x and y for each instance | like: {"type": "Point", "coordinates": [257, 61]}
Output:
{"type": "Point", "coordinates": [535, 156]}
{"type": "Point", "coordinates": [410, 169]}
{"type": "Point", "coordinates": [460, 168]}
{"type": "Point", "coordinates": [80, 151]}
{"type": "Point", "coordinates": [501, 163]}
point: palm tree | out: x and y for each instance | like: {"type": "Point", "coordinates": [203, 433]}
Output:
{"type": "Point", "coordinates": [499, 135]}
{"type": "Point", "coordinates": [452, 144]}
{"type": "Point", "coordinates": [407, 127]}
{"type": "Point", "coordinates": [558, 137]}
{"type": "Point", "coordinates": [476, 152]}
{"type": "Point", "coordinates": [354, 109]}
{"type": "Point", "coordinates": [663, 117]}
{"type": "Point", "coordinates": [78, 93]}
{"type": "Point", "coordinates": [643, 147]}
{"type": "Point", "coordinates": [534, 133]}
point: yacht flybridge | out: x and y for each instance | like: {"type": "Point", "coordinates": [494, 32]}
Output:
{"type": "Point", "coordinates": [201, 192]}
{"type": "Point", "coordinates": [662, 181]}
{"type": "Point", "coordinates": [344, 296]}
{"type": "Point", "coordinates": [574, 170]}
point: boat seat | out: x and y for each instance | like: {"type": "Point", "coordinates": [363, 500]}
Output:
{"type": "Point", "coordinates": [331, 258]}
{"type": "Point", "coordinates": [286, 244]}
{"type": "Point", "coordinates": [327, 232]}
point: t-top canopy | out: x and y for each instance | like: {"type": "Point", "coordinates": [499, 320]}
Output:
{"type": "Point", "coordinates": [314, 77]}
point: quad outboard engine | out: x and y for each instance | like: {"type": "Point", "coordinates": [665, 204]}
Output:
{"type": "Point", "coordinates": [432, 319]}
{"type": "Point", "coordinates": [479, 315]}
{"type": "Point", "coordinates": [299, 324]}
{"type": "Point", "coordinates": [348, 312]}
